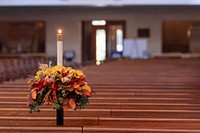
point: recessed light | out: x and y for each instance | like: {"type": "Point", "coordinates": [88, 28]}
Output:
{"type": "Point", "coordinates": [98, 22]}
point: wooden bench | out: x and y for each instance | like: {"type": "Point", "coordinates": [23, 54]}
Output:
{"type": "Point", "coordinates": [158, 96]}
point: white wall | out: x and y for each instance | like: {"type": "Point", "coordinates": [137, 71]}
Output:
{"type": "Point", "coordinates": [69, 19]}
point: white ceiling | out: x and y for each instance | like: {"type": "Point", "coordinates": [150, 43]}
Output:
{"type": "Point", "coordinates": [96, 3]}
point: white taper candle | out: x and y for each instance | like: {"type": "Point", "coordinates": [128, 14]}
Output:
{"type": "Point", "coordinates": [59, 48]}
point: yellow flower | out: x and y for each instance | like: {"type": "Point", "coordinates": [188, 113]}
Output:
{"type": "Point", "coordinates": [78, 74]}
{"type": "Point", "coordinates": [38, 74]}
{"type": "Point", "coordinates": [58, 68]}
{"type": "Point", "coordinates": [64, 69]}
{"type": "Point", "coordinates": [47, 72]}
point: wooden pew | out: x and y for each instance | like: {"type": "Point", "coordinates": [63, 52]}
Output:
{"type": "Point", "coordinates": [149, 96]}
{"type": "Point", "coordinates": [16, 68]}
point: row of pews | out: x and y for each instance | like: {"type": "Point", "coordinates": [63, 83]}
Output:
{"type": "Point", "coordinates": [131, 96]}
{"type": "Point", "coordinates": [16, 68]}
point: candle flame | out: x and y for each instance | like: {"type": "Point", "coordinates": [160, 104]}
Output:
{"type": "Point", "coordinates": [59, 31]}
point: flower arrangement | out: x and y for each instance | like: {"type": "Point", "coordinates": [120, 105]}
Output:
{"type": "Point", "coordinates": [62, 87]}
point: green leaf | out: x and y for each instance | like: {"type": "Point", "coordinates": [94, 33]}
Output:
{"type": "Point", "coordinates": [56, 106]}
{"type": "Point", "coordinates": [60, 99]}
{"type": "Point", "coordinates": [33, 107]}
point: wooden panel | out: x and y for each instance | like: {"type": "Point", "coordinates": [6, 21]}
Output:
{"type": "Point", "coordinates": [22, 37]}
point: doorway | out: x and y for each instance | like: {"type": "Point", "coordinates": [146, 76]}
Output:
{"type": "Point", "coordinates": [99, 40]}
{"type": "Point", "coordinates": [102, 41]}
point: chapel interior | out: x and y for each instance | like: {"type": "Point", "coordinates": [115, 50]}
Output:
{"type": "Point", "coordinates": [141, 59]}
